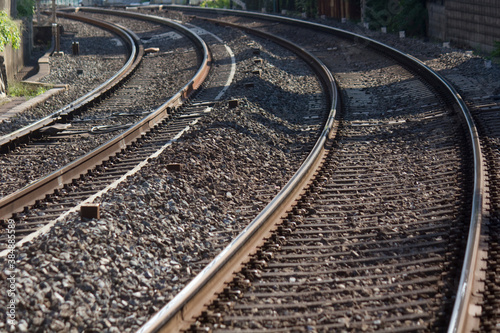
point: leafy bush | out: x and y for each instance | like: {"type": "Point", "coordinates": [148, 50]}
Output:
{"type": "Point", "coordinates": [9, 32]}
{"type": "Point", "coordinates": [496, 52]}
{"type": "Point", "coordinates": [292, 6]}
{"type": "Point", "coordinates": [412, 18]}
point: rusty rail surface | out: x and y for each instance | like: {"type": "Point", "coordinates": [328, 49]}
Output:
{"type": "Point", "coordinates": [37, 190]}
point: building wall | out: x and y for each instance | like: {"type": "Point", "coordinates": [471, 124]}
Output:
{"type": "Point", "coordinates": [475, 23]}
{"type": "Point", "coordinates": [437, 21]}
{"type": "Point", "coordinates": [471, 23]}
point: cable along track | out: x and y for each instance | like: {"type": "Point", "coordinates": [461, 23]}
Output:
{"type": "Point", "coordinates": [382, 224]}
{"type": "Point", "coordinates": [30, 197]}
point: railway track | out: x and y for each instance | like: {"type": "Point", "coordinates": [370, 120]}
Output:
{"type": "Point", "coordinates": [58, 205]}
{"type": "Point", "coordinates": [384, 243]}
{"type": "Point", "coordinates": [94, 65]}
{"type": "Point", "coordinates": [372, 229]}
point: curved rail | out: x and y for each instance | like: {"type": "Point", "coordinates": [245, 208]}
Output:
{"type": "Point", "coordinates": [201, 289]}
{"type": "Point", "coordinates": [461, 316]}
{"type": "Point", "coordinates": [132, 41]}
{"type": "Point", "coordinates": [26, 196]}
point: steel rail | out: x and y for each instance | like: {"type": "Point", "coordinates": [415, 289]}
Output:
{"type": "Point", "coordinates": [463, 315]}
{"type": "Point", "coordinates": [133, 43]}
{"type": "Point", "coordinates": [190, 301]}
{"type": "Point", "coordinates": [29, 194]}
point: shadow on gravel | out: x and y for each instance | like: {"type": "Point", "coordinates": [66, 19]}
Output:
{"type": "Point", "coordinates": [288, 106]}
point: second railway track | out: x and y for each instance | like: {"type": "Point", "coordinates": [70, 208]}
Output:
{"type": "Point", "coordinates": [97, 124]}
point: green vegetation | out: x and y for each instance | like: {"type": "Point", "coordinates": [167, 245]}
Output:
{"type": "Point", "coordinates": [215, 3]}
{"type": "Point", "coordinates": [9, 32]}
{"type": "Point", "coordinates": [25, 8]}
{"type": "Point", "coordinates": [306, 6]}
{"type": "Point", "coordinates": [20, 89]}
{"type": "Point", "coordinates": [407, 15]}
{"type": "Point", "coordinates": [496, 52]}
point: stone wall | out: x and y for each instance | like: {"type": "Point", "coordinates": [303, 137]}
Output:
{"type": "Point", "coordinates": [469, 23]}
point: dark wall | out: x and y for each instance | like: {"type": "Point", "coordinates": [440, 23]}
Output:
{"type": "Point", "coordinates": [473, 23]}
